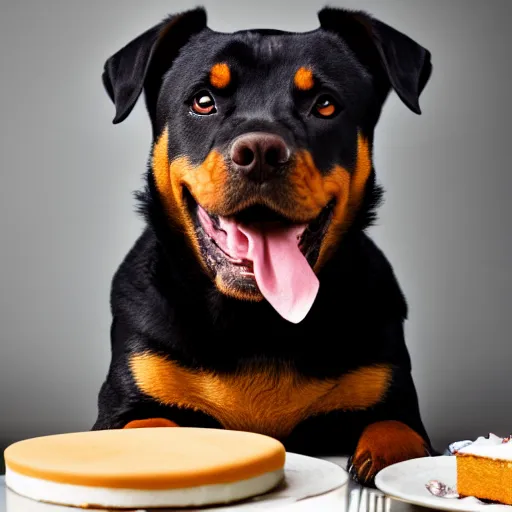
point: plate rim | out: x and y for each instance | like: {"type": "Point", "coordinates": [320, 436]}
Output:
{"type": "Point", "coordinates": [440, 503]}
{"type": "Point", "coordinates": [346, 476]}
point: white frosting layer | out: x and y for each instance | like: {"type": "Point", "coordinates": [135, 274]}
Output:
{"type": "Point", "coordinates": [492, 448]}
{"type": "Point", "coordinates": [78, 495]}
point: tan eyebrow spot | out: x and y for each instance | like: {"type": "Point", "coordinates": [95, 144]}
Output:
{"type": "Point", "coordinates": [220, 75]}
{"type": "Point", "coordinates": [304, 79]}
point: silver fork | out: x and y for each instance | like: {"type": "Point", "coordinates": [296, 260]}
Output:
{"type": "Point", "coordinates": [366, 500]}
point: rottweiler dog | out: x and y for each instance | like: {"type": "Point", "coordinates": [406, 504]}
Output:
{"type": "Point", "coordinates": [253, 300]}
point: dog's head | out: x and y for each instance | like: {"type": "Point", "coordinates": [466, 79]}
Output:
{"type": "Point", "coordinates": [262, 139]}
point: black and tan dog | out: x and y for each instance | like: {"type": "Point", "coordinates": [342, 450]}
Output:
{"type": "Point", "coordinates": [254, 300]}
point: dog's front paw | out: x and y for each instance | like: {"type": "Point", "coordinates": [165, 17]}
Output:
{"type": "Point", "coordinates": [151, 423]}
{"type": "Point", "coordinates": [382, 444]}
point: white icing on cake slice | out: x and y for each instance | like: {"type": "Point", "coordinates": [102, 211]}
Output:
{"type": "Point", "coordinates": [492, 447]}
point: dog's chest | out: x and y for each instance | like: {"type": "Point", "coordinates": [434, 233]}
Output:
{"type": "Point", "coordinates": [269, 401]}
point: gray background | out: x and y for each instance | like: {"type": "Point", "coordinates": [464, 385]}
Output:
{"type": "Point", "coordinates": [67, 212]}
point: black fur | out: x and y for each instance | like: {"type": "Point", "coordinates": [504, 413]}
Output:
{"type": "Point", "coordinates": [162, 300]}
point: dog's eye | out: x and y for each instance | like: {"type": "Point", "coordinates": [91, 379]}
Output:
{"type": "Point", "coordinates": [203, 104]}
{"type": "Point", "coordinates": [325, 106]}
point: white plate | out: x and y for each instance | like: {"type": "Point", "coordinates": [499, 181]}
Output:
{"type": "Point", "coordinates": [406, 481]}
{"type": "Point", "coordinates": [305, 477]}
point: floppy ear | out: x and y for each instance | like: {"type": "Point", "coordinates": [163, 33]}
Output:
{"type": "Point", "coordinates": [137, 65]}
{"type": "Point", "coordinates": [405, 63]}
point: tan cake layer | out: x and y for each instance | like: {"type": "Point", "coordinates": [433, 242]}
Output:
{"type": "Point", "coordinates": [152, 458]}
{"type": "Point", "coordinates": [485, 478]}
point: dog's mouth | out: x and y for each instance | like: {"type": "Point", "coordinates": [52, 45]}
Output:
{"type": "Point", "coordinates": [258, 252]}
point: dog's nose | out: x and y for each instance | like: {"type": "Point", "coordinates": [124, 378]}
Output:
{"type": "Point", "coordinates": [259, 155]}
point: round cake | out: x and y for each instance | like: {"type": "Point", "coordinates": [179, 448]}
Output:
{"type": "Point", "coordinates": [150, 467]}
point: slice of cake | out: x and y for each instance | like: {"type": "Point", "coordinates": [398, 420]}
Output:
{"type": "Point", "coordinates": [484, 469]}
{"type": "Point", "coordinates": [139, 468]}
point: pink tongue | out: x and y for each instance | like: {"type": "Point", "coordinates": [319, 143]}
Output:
{"type": "Point", "coordinates": [282, 273]}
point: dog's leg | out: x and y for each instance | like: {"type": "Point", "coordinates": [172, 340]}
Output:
{"type": "Point", "coordinates": [394, 434]}
{"type": "Point", "coordinates": [119, 407]}
{"type": "Point", "coordinates": [384, 443]}
{"type": "Point", "coordinates": [116, 413]}
{"type": "Point", "coordinates": [151, 423]}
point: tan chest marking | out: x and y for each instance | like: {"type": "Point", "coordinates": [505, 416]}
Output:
{"type": "Point", "coordinates": [266, 401]}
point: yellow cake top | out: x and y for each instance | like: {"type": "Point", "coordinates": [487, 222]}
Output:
{"type": "Point", "coordinates": [148, 458]}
